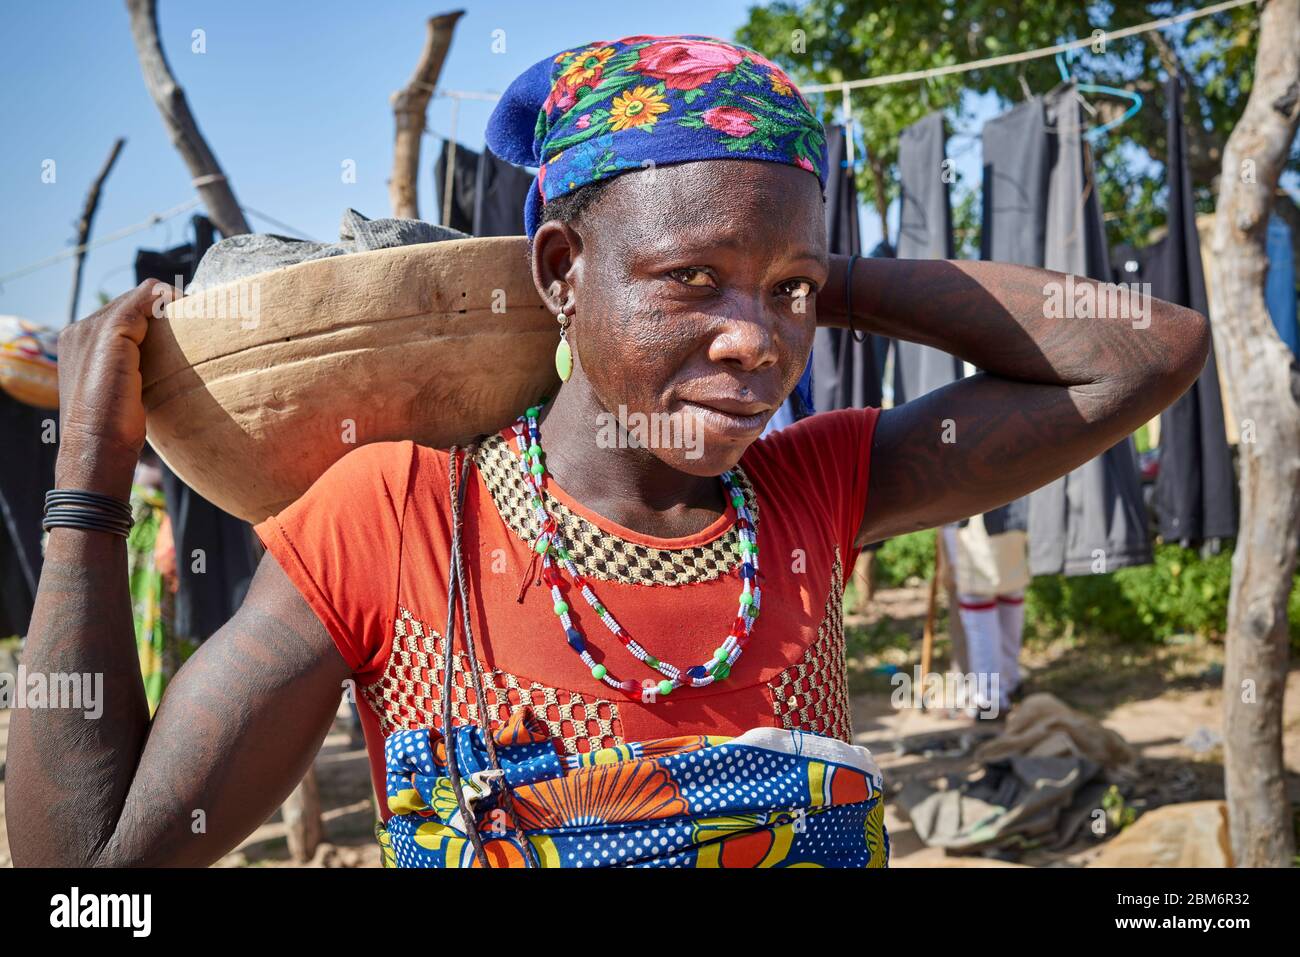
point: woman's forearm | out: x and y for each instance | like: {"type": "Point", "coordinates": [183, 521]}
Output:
{"type": "Point", "coordinates": [1017, 322]}
{"type": "Point", "coordinates": [71, 759]}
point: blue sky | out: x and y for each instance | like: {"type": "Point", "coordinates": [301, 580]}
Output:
{"type": "Point", "coordinates": [285, 92]}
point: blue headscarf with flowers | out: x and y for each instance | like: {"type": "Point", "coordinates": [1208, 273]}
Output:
{"type": "Point", "coordinates": [609, 107]}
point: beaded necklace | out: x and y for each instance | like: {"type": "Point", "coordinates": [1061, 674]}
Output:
{"type": "Point", "coordinates": [557, 560]}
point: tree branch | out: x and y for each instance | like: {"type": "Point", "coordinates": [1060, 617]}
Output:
{"type": "Point", "coordinates": [409, 106]}
{"type": "Point", "coordinates": [83, 224]}
{"type": "Point", "coordinates": [213, 187]}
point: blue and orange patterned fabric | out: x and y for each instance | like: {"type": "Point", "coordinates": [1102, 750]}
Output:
{"type": "Point", "coordinates": [767, 798]}
{"type": "Point", "coordinates": [604, 108]}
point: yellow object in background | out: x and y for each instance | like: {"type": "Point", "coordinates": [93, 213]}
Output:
{"type": "Point", "coordinates": [29, 364]}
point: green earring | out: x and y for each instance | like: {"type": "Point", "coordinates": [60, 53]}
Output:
{"type": "Point", "coordinates": [563, 354]}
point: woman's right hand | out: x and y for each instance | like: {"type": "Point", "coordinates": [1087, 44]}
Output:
{"type": "Point", "coordinates": [101, 405]}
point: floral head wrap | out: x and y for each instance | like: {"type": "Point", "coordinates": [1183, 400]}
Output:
{"type": "Point", "coordinates": [613, 106]}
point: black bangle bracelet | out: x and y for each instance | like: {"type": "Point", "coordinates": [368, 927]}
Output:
{"type": "Point", "coordinates": [848, 298]}
{"type": "Point", "coordinates": [87, 511]}
{"type": "Point", "coordinates": [99, 513]}
{"type": "Point", "coordinates": [93, 500]}
{"type": "Point", "coordinates": [85, 522]}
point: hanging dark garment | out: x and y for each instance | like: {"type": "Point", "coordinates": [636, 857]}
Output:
{"type": "Point", "coordinates": [500, 189]}
{"type": "Point", "coordinates": [464, 187]}
{"type": "Point", "coordinates": [215, 551]}
{"type": "Point", "coordinates": [1194, 495]}
{"type": "Point", "coordinates": [924, 232]}
{"type": "Point", "coordinates": [1041, 209]}
{"type": "Point", "coordinates": [487, 193]}
{"type": "Point", "coordinates": [176, 265]}
{"type": "Point", "coordinates": [28, 473]}
{"type": "Point", "coordinates": [1092, 520]}
{"type": "Point", "coordinates": [846, 374]}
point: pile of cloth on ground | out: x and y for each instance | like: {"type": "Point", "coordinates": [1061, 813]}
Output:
{"type": "Point", "coordinates": [1037, 784]}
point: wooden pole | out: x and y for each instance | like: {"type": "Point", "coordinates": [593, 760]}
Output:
{"type": "Point", "coordinates": [409, 106]}
{"type": "Point", "coordinates": [83, 224]}
{"type": "Point", "coordinates": [1264, 394]}
{"type": "Point", "coordinates": [213, 187]}
{"type": "Point", "coordinates": [927, 637]}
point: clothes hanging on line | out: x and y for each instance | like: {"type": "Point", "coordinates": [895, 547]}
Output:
{"type": "Point", "coordinates": [924, 232]}
{"type": "Point", "coordinates": [499, 194]}
{"type": "Point", "coordinates": [464, 183]}
{"type": "Point", "coordinates": [1016, 165]}
{"type": "Point", "coordinates": [846, 374]}
{"type": "Point", "coordinates": [487, 193]}
{"type": "Point", "coordinates": [216, 553]}
{"type": "Point", "coordinates": [1041, 209]}
{"type": "Point", "coordinates": [1195, 487]}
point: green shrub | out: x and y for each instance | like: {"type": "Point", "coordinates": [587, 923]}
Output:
{"type": "Point", "coordinates": [1179, 593]}
{"type": "Point", "coordinates": [904, 557]}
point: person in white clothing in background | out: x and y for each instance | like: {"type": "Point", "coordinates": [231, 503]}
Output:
{"type": "Point", "coordinates": [991, 573]}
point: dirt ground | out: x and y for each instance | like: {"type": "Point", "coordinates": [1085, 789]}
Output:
{"type": "Point", "coordinates": [1165, 700]}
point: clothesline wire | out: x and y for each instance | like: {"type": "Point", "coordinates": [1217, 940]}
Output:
{"type": "Point", "coordinates": [153, 220]}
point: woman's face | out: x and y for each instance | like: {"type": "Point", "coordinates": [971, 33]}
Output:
{"type": "Point", "coordinates": [693, 294]}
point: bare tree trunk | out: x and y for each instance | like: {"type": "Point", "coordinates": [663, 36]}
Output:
{"type": "Point", "coordinates": [213, 187]}
{"type": "Point", "coordinates": [83, 225]}
{"type": "Point", "coordinates": [1265, 397]}
{"type": "Point", "coordinates": [409, 106]}
{"type": "Point", "coordinates": [302, 818]}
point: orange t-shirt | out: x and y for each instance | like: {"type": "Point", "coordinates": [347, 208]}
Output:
{"type": "Point", "coordinates": [368, 547]}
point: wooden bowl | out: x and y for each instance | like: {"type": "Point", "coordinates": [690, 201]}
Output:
{"type": "Point", "coordinates": [253, 389]}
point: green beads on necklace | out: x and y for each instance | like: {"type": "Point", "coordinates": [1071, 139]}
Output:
{"type": "Point", "coordinates": [556, 558]}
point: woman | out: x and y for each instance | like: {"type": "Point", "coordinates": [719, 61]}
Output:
{"type": "Point", "coordinates": [611, 585]}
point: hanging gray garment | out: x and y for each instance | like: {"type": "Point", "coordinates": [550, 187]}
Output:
{"type": "Point", "coordinates": [1092, 520]}
{"type": "Point", "coordinates": [1017, 165]}
{"type": "Point", "coordinates": [924, 232]}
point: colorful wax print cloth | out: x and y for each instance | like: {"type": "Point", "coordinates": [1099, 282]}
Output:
{"type": "Point", "coordinates": [153, 594]}
{"type": "Point", "coordinates": [767, 798]}
{"type": "Point", "coordinates": [604, 108]}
